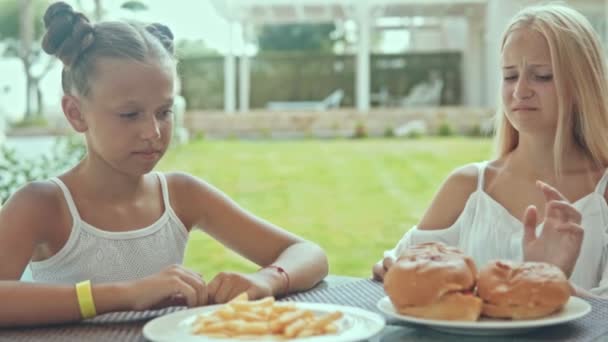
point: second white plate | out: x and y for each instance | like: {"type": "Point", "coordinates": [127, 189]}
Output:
{"type": "Point", "coordinates": [575, 308]}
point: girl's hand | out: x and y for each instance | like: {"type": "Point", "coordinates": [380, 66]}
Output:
{"type": "Point", "coordinates": [380, 269]}
{"type": "Point", "coordinates": [561, 238]}
{"type": "Point", "coordinates": [227, 285]}
{"type": "Point", "coordinates": [175, 285]}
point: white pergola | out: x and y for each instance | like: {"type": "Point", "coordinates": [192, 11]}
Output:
{"type": "Point", "coordinates": [249, 13]}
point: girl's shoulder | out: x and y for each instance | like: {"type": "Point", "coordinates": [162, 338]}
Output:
{"type": "Point", "coordinates": [451, 198]}
{"type": "Point", "coordinates": [41, 195]}
{"type": "Point", "coordinates": [464, 179]}
{"type": "Point", "coordinates": [189, 196]}
{"type": "Point", "coordinates": [34, 206]}
{"type": "Point", "coordinates": [183, 184]}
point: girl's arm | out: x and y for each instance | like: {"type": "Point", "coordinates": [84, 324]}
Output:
{"type": "Point", "coordinates": [444, 210]}
{"type": "Point", "coordinates": [31, 217]}
{"type": "Point", "coordinates": [450, 200]}
{"type": "Point", "coordinates": [200, 204]}
{"type": "Point", "coordinates": [31, 304]}
{"type": "Point", "coordinates": [581, 292]}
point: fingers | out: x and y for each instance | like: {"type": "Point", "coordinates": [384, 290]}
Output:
{"type": "Point", "coordinates": [387, 263]}
{"type": "Point", "coordinates": [530, 221]}
{"type": "Point", "coordinates": [213, 287]}
{"type": "Point", "coordinates": [198, 284]}
{"type": "Point", "coordinates": [380, 268]}
{"type": "Point", "coordinates": [378, 272]}
{"type": "Point", "coordinates": [558, 206]}
{"type": "Point", "coordinates": [223, 291]}
{"type": "Point", "coordinates": [572, 228]}
{"type": "Point", "coordinates": [184, 289]}
{"type": "Point", "coordinates": [563, 211]}
{"type": "Point", "coordinates": [190, 285]}
{"type": "Point", "coordinates": [225, 286]}
{"type": "Point", "coordinates": [550, 193]}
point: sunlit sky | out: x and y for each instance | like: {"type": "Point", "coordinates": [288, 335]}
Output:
{"type": "Point", "coordinates": [188, 19]}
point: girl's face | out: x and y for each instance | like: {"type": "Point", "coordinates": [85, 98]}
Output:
{"type": "Point", "coordinates": [528, 88]}
{"type": "Point", "coordinates": [128, 113]}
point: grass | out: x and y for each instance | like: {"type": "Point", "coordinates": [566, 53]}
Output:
{"type": "Point", "coordinates": [355, 198]}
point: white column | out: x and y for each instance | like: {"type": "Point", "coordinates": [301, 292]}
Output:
{"type": "Point", "coordinates": [244, 71]}
{"type": "Point", "coordinates": [363, 52]}
{"type": "Point", "coordinates": [473, 82]}
{"type": "Point", "coordinates": [230, 73]}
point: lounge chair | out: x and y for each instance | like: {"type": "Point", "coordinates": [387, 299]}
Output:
{"type": "Point", "coordinates": [332, 101]}
{"type": "Point", "coordinates": [425, 94]}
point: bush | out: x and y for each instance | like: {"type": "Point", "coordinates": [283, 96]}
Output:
{"type": "Point", "coordinates": [265, 133]}
{"type": "Point", "coordinates": [31, 122]}
{"type": "Point", "coordinates": [474, 131]}
{"type": "Point", "coordinates": [389, 132]}
{"type": "Point", "coordinates": [445, 130]}
{"type": "Point", "coordinates": [199, 135]}
{"type": "Point", "coordinates": [478, 131]}
{"type": "Point", "coordinates": [17, 171]}
{"type": "Point", "coordinates": [414, 135]}
{"type": "Point", "coordinates": [360, 131]}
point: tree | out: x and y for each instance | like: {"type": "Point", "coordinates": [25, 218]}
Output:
{"type": "Point", "coordinates": [296, 37]}
{"type": "Point", "coordinates": [98, 11]}
{"type": "Point", "coordinates": [194, 48]}
{"type": "Point", "coordinates": [21, 30]}
{"type": "Point", "coordinates": [134, 6]}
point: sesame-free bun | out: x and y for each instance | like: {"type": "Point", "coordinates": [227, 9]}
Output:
{"type": "Point", "coordinates": [432, 280]}
{"type": "Point", "coordinates": [522, 290]}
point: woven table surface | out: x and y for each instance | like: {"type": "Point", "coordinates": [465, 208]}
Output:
{"type": "Point", "coordinates": [362, 293]}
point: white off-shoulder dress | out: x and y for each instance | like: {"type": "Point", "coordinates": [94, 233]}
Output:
{"type": "Point", "coordinates": [485, 230]}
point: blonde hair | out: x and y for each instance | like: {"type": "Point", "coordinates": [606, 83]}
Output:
{"type": "Point", "coordinates": [579, 73]}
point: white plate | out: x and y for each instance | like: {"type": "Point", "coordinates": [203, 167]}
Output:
{"type": "Point", "coordinates": [355, 325]}
{"type": "Point", "coordinates": [575, 308]}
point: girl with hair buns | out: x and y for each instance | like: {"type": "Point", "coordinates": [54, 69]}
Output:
{"type": "Point", "coordinates": [110, 234]}
{"type": "Point", "coordinates": [551, 130]}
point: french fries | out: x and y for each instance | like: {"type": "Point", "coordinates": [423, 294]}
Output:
{"type": "Point", "coordinates": [241, 318]}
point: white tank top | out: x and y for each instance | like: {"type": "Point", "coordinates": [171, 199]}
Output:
{"type": "Point", "coordinates": [486, 230]}
{"type": "Point", "coordinates": [102, 256]}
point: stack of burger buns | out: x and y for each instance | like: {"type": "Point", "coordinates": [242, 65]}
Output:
{"type": "Point", "coordinates": [434, 281]}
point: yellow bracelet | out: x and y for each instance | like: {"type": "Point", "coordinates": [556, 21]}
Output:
{"type": "Point", "coordinates": [85, 299]}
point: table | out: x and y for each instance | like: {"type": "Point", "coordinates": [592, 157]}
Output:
{"type": "Point", "coordinates": [363, 293]}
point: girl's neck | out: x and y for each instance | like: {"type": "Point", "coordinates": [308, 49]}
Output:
{"type": "Point", "coordinates": [99, 178]}
{"type": "Point", "coordinates": [534, 158]}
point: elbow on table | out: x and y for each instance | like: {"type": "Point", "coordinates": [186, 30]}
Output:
{"type": "Point", "coordinates": [322, 261]}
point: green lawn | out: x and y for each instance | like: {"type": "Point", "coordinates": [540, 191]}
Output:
{"type": "Point", "coordinates": [355, 198]}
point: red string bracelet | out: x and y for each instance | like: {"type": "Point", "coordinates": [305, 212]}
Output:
{"type": "Point", "coordinates": [284, 273]}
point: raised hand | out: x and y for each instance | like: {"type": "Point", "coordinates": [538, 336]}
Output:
{"type": "Point", "coordinates": [380, 269]}
{"type": "Point", "coordinates": [227, 285]}
{"type": "Point", "coordinates": [175, 285]}
{"type": "Point", "coordinates": [560, 241]}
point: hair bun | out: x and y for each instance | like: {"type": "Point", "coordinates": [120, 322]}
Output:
{"type": "Point", "coordinates": [163, 33]}
{"type": "Point", "coordinates": [69, 33]}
